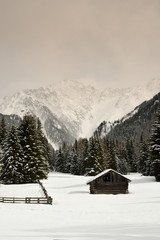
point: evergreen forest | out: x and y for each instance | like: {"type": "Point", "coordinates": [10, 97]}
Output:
{"type": "Point", "coordinates": [24, 152]}
{"type": "Point", "coordinates": [26, 156]}
{"type": "Point", "coordinates": [91, 156]}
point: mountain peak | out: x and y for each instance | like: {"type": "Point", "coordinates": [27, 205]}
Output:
{"type": "Point", "coordinates": [69, 109]}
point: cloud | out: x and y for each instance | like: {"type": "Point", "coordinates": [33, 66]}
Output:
{"type": "Point", "coordinates": [111, 43]}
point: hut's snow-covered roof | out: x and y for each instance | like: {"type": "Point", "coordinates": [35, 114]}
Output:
{"type": "Point", "coordinates": [104, 173]}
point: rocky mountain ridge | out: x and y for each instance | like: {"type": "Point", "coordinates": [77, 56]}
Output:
{"type": "Point", "coordinates": [136, 125]}
{"type": "Point", "coordinates": [70, 109]}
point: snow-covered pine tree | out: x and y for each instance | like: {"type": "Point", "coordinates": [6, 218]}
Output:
{"type": "Point", "coordinates": [76, 163]}
{"type": "Point", "coordinates": [59, 162]}
{"type": "Point", "coordinates": [90, 160]}
{"type": "Point", "coordinates": [3, 131]}
{"type": "Point", "coordinates": [35, 167]}
{"type": "Point", "coordinates": [74, 168]}
{"type": "Point", "coordinates": [13, 160]}
{"type": "Point", "coordinates": [82, 154]}
{"type": "Point", "coordinates": [121, 158]}
{"type": "Point", "coordinates": [1, 156]}
{"type": "Point", "coordinates": [110, 155]}
{"type": "Point", "coordinates": [155, 147]}
{"type": "Point", "coordinates": [144, 164]}
{"type": "Point", "coordinates": [51, 155]}
{"type": "Point", "coordinates": [132, 166]}
{"type": "Point", "coordinates": [95, 158]}
{"type": "Point", "coordinates": [46, 148]}
{"type": "Point", "coordinates": [3, 135]}
{"type": "Point", "coordinates": [99, 165]}
{"type": "Point", "coordinates": [67, 159]}
{"type": "Point", "coordinates": [43, 166]}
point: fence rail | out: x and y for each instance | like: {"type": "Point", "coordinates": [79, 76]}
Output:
{"type": "Point", "coordinates": [32, 200]}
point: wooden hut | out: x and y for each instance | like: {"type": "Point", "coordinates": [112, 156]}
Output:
{"type": "Point", "coordinates": [109, 182]}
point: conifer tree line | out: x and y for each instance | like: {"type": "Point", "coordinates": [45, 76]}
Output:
{"type": "Point", "coordinates": [26, 156]}
{"type": "Point", "coordinates": [145, 156]}
{"type": "Point", "coordinates": [25, 153]}
{"type": "Point", "coordinates": [90, 157]}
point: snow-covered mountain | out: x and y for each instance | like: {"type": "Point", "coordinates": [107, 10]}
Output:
{"type": "Point", "coordinates": [61, 108]}
{"type": "Point", "coordinates": [114, 103]}
{"type": "Point", "coordinates": [134, 126]}
{"type": "Point", "coordinates": [71, 109]}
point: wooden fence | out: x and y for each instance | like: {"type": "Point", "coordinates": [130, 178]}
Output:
{"type": "Point", "coordinates": [43, 189]}
{"type": "Point", "coordinates": [33, 200]}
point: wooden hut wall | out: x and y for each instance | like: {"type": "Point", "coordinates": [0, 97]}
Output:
{"type": "Point", "coordinates": [109, 183]}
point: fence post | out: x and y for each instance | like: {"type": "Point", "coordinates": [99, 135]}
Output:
{"type": "Point", "coordinates": [49, 200]}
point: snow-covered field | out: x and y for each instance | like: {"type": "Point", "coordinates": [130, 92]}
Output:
{"type": "Point", "coordinates": [78, 215]}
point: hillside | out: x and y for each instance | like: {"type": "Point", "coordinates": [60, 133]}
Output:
{"type": "Point", "coordinates": [136, 123]}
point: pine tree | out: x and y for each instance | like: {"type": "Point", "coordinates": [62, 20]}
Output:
{"type": "Point", "coordinates": [43, 167]}
{"type": "Point", "coordinates": [13, 159]}
{"type": "Point", "coordinates": [76, 164]}
{"type": "Point", "coordinates": [90, 160]}
{"type": "Point", "coordinates": [51, 155]}
{"type": "Point", "coordinates": [144, 165]}
{"type": "Point", "coordinates": [82, 154]}
{"type": "Point", "coordinates": [35, 167]}
{"type": "Point", "coordinates": [95, 159]}
{"type": "Point", "coordinates": [110, 155]}
{"type": "Point", "coordinates": [74, 168]}
{"type": "Point", "coordinates": [155, 147]}
{"type": "Point", "coordinates": [3, 131]}
{"type": "Point", "coordinates": [99, 165]}
{"type": "Point", "coordinates": [67, 159]}
{"type": "Point", "coordinates": [121, 158]}
{"type": "Point", "coordinates": [1, 156]}
{"type": "Point", "coordinates": [132, 166]}
{"type": "Point", "coordinates": [59, 162]}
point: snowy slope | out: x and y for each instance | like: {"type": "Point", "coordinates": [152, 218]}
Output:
{"type": "Point", "coordinates": [71, 109]}
{"type": "Point", "coordinates": [61, 108]}
{"type": "Point", "coordinates": [78, 215]}
{"type": "Point", "coordinates": [119, 102]}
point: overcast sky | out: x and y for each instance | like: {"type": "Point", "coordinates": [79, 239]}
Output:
{"type": "Point", "coordinates": [105, 42]}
